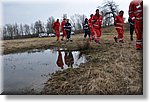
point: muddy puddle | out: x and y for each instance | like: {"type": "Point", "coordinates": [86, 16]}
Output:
{"type": "Point", "coordinates": [28, 71]}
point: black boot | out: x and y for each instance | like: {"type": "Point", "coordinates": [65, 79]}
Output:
{"type": "Point", "coordinates": [116, 39]}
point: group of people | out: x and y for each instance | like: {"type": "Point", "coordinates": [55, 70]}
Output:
{"type": "Point", "coordinates": [136, 23]}
{"type": "Point", "coordinates": [93, 25]}
{"type": "Point", "coordinates": [66, 29]}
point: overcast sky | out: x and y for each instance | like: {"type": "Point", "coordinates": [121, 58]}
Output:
{"type": "Point", "coordinates": [29, 11]}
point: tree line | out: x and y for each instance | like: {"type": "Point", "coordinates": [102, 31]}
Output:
{"type": "Point", "coordinates": [16, 31]}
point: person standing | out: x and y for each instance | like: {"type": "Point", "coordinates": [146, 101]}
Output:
{"type": "Point", "coordinates": [63, 30]}
{"type": "Point", "coordinates": [136, 14]}
{"type": "Point", "coordinates": [67, 28]}
{"type": "Point", "coordinates": [131, 22]}
{"type": "Point", "coordinates": [119, 25]}
{"type": "Point", "coordinates": [86, 28]}
{"type": "Point", "coordinates": [92, 34]}
{"type": "Point", "coordinates": [97, 22]}
{"type": "Point", "coordinates": [56, 27]}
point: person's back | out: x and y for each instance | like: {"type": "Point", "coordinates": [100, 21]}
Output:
{"type": "Point", "coordinates": [67, 26]}
{"type": "Point", "coordinates": [86, 28]}
{"type": "Point", "coordinates": [63, 24]}
{"type": "Point", "coordinates": [62, 27]}
{"type": "Point", "coordinates": [56, 27]}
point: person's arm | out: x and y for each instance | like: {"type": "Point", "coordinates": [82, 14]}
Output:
{"type": "Point", "coordinates": [70, 26]}
{"type": "Point", "coordinates": [65, 26]}
{"type": "Point", "coordinates": [115, 21]}
{"type": "Point", "coordinates": [101, 19]}
{"type": "Point", "coordinates": [131, 11]}
{"type": "Point", "coordinates": [93, 20]}
{"type": "Point", "coordinates": [53, 25]}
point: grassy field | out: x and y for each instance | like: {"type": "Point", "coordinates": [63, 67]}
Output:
{"type": "Point", "coordinates": [112, 68]}
{"type": "Point", "coordinates": [21, 45]}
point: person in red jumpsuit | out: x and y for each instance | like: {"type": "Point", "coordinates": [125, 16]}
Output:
{"type": "Point", "coordinates": [56, 27]}
{"type": "Point", "coordinates": [136, 14]}
{"type": "Point", "coordinates": [119, 25]}
{"type": "Point", "coordinates": [63, 30]}
{"type": "Point", "coordinates": [92, 36]}
{"type": "Point", "coordinates": [97, 22]}
{"type": "Point", "coordinates": [60, 62]}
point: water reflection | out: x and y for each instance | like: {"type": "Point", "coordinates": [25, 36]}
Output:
{"type": "Point", "coordinates": [59, 61]}
{"type": "Point", "coordinates": [32, 69]}
{"type": "Point", "coordinates": [69, 60]}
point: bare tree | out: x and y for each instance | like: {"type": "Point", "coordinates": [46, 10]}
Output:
{"type": "Point", "coordinates": [26, 29]}
{"type": "Point", "coordinates": [39, 27]}
{"type": "Point", "coordinates": [9, 31]}
{"type": "Point", "coordinates": [49, 24]}
{"type": "Point", "coordinates": [65, 16]}
{"type": "Point", "coordinates": [77, 21]}
{"type": "Point", "coordinates": [109, 10]}
{"type": "Point", "coordinates": [21, 32]}
{"type": "Point", "coordinates": [16, 30]}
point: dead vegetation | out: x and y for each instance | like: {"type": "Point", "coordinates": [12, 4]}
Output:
{"type": "Point", "coordinates": [112, 69]}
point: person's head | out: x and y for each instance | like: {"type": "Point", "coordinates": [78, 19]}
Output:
{"type": "Point", "coordinates": [64, 19]}
{"type": "Point", "coordinates": [91, 15]}
{"type": "Point", "coordinates": [86, 20]}
{"type": "Point", "coordinates": [121, 13]}
{"type": "Point", "coordinates": [57, 20]}
{"type": "Point", "coordinates": [67, 20]}
{"type": "Point", "coordinates": [97, 11]}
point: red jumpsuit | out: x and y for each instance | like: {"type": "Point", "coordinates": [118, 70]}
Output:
{"type": "Point", "coordinates": [60, 62]}
{"type": "Point", "coordinates": [97, 22]}
{"type": "Point", "coordinates": [56, 27]}
{"type": "Point", "coordinates": [119, 25]}
{"type": "Point", "coordinates": [136, 14]}
{"type": "Point", "coordinates": [63, 30]}
{"type": "Point", "coordinates": [91, 28]}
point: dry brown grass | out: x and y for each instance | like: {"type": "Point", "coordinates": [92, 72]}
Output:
{"type": "Point", "coordinates": [21, 45]}
{"type": "Point", "coordinates": [112, 69]}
